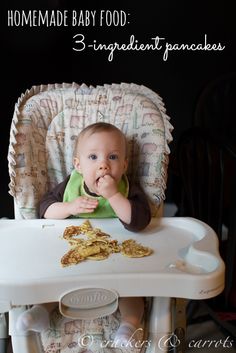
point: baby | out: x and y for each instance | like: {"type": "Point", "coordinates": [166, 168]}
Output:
{"type": "Point", "coordinates": [97, 188]}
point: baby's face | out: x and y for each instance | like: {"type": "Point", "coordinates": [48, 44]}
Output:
{"type": "Point", "coordinates": [99, 154]}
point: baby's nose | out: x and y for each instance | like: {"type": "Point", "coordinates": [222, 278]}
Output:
{"type": "Point", "coordinates": [104, 165]}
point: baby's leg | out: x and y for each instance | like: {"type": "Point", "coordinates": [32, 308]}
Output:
{"type": "Point", "coordinates": [36, 318]}
{"type": "Point", "coordinates": [131, 310]}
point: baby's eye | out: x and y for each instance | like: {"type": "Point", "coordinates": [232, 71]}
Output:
{"type": "Point", "coordinates": [92, 156]}
{"type": "Point", "coordinates": [113, 157]}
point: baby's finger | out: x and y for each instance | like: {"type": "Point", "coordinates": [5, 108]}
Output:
{"type": "Point", "coordinates": [91, 204]}
{"type": "Point", "coordinates": [89, 201]}
{"type": "Point", "coordinates": [85, 208]}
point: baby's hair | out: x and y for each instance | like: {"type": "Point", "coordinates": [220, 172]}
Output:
{"type": "Point", "coordinates": [99, 127]}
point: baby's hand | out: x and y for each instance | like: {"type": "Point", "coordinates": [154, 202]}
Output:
{"type": "Point", "coordinates": [107, 186]}
{"type": "Point", "coordinates": [82, 204]}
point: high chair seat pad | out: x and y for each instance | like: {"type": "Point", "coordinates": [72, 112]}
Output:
{"type": "Point", "coordinates": [48, 118]}
{"type": "Point", "coordinates": [77, 336]}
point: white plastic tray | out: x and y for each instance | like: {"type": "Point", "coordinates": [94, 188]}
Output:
{"type": "Point", "coordinates": [185, 262]}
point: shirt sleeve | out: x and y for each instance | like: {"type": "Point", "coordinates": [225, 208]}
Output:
{"type": "Point", "coordinates": [140, 209]}
{"type": "Point", "coordinates": [55, 195]}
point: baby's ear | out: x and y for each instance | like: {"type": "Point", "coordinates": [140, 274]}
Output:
{"type": "Point", "coordinates": [126, 162]}
{"type": "Point", "coordinates": [76, 164]}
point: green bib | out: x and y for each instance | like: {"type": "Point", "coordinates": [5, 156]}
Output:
{"type": "Point", "coordinates": [75, 188]}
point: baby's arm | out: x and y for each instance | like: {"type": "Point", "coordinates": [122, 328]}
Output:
{"type": "Point", "coordinates": [61, 210]}
{"type": "Point", "coordinates": [134, 212]}
{"type": "Point", "coordinates": [108, 188]}
{"type": "Point", "coordinates": [121, 206]}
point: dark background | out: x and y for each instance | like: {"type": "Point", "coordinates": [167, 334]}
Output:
{"type": "Point", "coordinates": [33, 56]}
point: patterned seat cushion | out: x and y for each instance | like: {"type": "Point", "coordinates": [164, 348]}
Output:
{"type": "Point", "coordinates": [48, 118]}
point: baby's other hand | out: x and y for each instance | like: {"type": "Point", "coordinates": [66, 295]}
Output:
{"type": "Point", "coordinates": [82, 204]}
{"type": "Point", "coordinates": [107, 186]}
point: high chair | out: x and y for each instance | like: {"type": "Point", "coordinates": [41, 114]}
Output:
{"type": "Point", "coordinates": [185, 262]}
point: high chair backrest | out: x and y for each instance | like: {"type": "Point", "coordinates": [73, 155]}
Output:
{"type": "Point", "coordinates": [48, 118]}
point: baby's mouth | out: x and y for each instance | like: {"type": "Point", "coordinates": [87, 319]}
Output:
{"type": "Point", "coordinates": [97, 180]}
